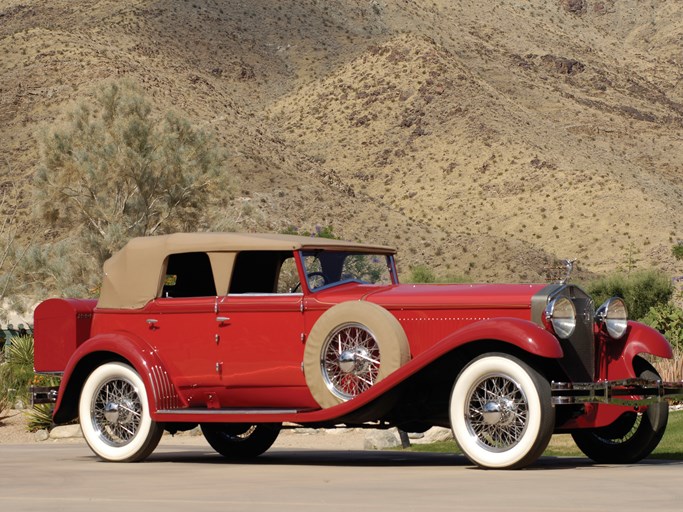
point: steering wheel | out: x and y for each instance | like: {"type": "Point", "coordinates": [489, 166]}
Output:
{"type": "Point", "coordinates": [309, 275]}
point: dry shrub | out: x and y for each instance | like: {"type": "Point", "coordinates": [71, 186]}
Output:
{"type": "Point", "coordinates": [671, 370]}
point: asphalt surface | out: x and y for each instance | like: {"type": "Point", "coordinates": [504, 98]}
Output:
{"type": "Point", "coordinates": [68, 477]}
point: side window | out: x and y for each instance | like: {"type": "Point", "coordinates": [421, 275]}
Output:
{"type": "Point", "coordinates": [189, 275]}
{"type": "Point", "coordinates": [263, 272]}
{"type": "Point", "coordinates": [288, 280]}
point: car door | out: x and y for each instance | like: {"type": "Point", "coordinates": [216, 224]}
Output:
{"type": "Point", "coordinates": [183, 328]}
{"type": "Point", "coordinates": [261, 338]}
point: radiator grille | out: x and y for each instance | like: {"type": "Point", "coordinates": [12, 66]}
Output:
{"type": "Point", "coordinates": [579, 350]}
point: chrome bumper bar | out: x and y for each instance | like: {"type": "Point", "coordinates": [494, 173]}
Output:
{"type": "Point", "coordinates": [617, 392]}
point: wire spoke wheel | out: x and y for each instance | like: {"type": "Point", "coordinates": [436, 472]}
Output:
{"type": "Point", "coordinates": [116, 411]}
{"type": "Point", "coordinates": [350, 361]}
{"type": "Point", "coordinates": [497, 412]}
{"type": "Point", "coordinates": [240, 440]}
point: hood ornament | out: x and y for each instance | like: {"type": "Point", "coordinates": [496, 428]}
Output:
{"type": "Point", "coordinates": [568, 269]}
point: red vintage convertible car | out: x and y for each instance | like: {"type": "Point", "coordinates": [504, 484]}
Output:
{"type": "Point", "coordinates": [241, 333]}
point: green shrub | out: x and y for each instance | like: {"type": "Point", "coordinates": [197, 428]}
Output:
{"type": "Point", "coordinates": [5, 406]}
{"type": "Point", "coordinates": [421, 274]}
{"type": "Point", "coordinates": [40, 417]}
{"type": "Point", "coordinates": [641, 290]}
{"type": "Point", "coordinates": [677, 251]}
{"type": "Point", "coordinates": [667, 319]}
{"type": "Point", "coordinates": [16, 373]}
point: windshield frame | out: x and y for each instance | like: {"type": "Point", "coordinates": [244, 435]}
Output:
{"type": "Point", "coordinates": [302, 254]}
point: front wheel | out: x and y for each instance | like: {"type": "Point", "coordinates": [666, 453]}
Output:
{"type": "Point", "coordinates": [114, 414]}
{"type": "Point", "coordinates": [501, 412]}
{"type": "Point", "coordinates": [633, 436]}
{"type": "Point", "coordinates": [240, 441]}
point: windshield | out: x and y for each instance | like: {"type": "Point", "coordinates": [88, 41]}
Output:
{"type": "Point", "coordinates": [327, 268]}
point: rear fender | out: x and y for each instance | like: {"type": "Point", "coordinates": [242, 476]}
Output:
{"type": "Point", "coordinates": [106, 348]}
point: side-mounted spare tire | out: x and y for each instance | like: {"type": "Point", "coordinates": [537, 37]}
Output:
{"type": "Point", "coordinates": [351, 347]}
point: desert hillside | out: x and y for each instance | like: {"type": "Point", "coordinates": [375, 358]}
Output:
{"type": "Point", "coordinates": [482, 137]}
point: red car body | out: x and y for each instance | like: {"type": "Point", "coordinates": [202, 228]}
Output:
{"type": "Point", "coordinates": [230, 356]}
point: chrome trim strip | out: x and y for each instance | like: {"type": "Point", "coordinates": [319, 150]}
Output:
{"type": "Point", "coordinates": [165, 395]}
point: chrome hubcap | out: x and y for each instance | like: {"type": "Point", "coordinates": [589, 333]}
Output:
{"type": "Point", "coordinates": [356, 362]}
{"type": "Point", "coordinates": [500, 412]}
{"type": "Point", "coordinates": [350, 361]}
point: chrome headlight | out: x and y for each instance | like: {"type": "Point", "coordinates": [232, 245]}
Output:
{"type": "Point", "coordinates": [561, 314]}
{"type": "Point", "coordinates": [613, 317]}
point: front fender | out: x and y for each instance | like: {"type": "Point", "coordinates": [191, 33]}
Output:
{"type": "Point", "coordinates": [639, 339]}
{"type": "Point", "coordinates": [105, 348]}
{"type": "Point", "coordinates": [523, 334]}
{"type": "Point", "coordinates": [643, 339]}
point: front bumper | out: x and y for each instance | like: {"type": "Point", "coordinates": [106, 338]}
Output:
{"type": "Point", "coordinates": [629, 392]}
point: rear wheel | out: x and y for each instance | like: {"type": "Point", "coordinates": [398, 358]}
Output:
{"type": "Point", "coordinates": [114, 414]}
{"type": "Point", "coordinates": [501, 412]}
{"type": "Point", "coordinates": [633, 436]}
{"type": "Point", "coordinates": [240, 440]}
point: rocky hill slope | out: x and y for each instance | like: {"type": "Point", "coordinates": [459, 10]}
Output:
{"type": "Point", "coordinates": [481, 137]}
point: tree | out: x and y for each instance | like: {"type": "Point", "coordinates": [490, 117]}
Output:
{"type": "Point", "coordinates": [114, 171]}
{"type": "Point", "coordinates": [13, 247]}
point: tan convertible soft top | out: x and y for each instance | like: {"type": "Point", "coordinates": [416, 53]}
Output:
{"type": "Point", "coordinates": [134, 275]}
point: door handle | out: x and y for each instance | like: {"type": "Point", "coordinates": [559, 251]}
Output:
{"type": "Point", "coordinates": [222, 319]}
{"type": "Point", "coordinates": [152, 322]}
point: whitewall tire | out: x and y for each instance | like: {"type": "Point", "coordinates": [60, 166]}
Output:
{"type": "Point", "coordinates": [501, 412]}
{"type": "Point", "coordinates": [114, 414]}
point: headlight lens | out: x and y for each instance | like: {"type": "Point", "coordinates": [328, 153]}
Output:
{"type": "Point", "coordinates": [613, 317]}
{"type": "Point", "coordinates": [561, 314]}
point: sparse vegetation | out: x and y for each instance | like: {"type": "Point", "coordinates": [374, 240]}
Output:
{"type": "Point", "coordinates": [343, 120]}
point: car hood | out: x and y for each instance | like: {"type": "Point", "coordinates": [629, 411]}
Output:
{"type": "Point", "coordinates": [455, 296]}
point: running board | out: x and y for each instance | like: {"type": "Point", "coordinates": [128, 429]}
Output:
{"type": "Point", "coordinates": [229, 412]}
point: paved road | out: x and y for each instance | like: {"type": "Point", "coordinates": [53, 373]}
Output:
{"type": "Point", "coordinates": [67, 477]}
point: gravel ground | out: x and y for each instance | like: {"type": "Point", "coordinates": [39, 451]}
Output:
{"type": "Point", "coordinates": [13, 431]}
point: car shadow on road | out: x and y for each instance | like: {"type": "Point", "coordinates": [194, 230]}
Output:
{"type": "Point", "coordinates": [361, 458]}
